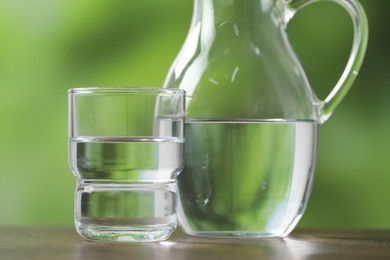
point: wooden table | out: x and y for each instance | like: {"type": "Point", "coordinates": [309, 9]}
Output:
{"type": "Point", "coordinates": [64, 243]}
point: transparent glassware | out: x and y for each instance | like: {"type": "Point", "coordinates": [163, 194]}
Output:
{"type": "Point", "coordinates": [252, 118]}
{"type": "Point", "coordinates": [126, 150]}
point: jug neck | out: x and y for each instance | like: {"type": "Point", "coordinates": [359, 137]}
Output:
{"type": "Point", "coordinates": [218, 13]}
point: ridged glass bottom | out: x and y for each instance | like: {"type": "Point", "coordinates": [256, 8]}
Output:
{"type": "Point", "coordinates": [125, 234]}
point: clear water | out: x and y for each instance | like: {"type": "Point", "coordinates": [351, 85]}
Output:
{"type": "Point", "coordinates": [246, 178]}
{"type": "Point", "coordinates": [126, 189]}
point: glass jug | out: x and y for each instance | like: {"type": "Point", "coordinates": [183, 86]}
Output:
{"type": "Point", "coordinates": [252, 117]}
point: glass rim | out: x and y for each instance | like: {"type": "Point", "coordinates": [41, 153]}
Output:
{"type": "Point", "coordinates": [124, 90]}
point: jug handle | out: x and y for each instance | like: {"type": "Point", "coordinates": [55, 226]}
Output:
{"type": "Point", "coordinates": [360, 27]}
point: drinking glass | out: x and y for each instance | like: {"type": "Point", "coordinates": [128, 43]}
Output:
{"type": "Point", "coordinates": [125, 150]}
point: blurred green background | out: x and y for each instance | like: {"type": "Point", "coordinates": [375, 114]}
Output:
{"type": "Point", "coordinates": [47, 47]}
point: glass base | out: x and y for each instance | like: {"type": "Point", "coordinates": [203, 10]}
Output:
{"type": "Point", "coordinates": [276, 228]}
{"type": "Point", "coordinates": [150, 233]}
{"type": "Point", "coordinates": [229, 234]}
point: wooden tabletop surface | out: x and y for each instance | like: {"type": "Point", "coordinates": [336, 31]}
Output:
{"type": "Point", "coordinates": [64, 243]}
